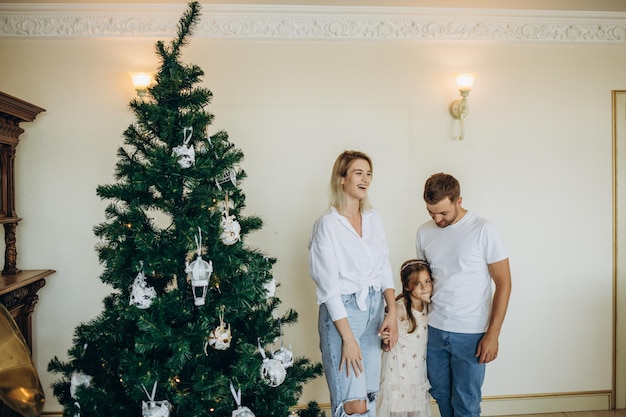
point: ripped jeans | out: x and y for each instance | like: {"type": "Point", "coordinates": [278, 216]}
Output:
{"type": "Point", "coordinates": [365, 326]}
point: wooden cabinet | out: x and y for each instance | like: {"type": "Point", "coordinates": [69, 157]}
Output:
{"type": "Point", "coordinates": [18, 293]}
{"type": "Point", "coordinates": [18, 289]}
{"type": "Point", "coordinates": [13, 111]}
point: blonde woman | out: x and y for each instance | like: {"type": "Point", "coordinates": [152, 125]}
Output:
{"type": "Point", "coordinates": [349, 261]}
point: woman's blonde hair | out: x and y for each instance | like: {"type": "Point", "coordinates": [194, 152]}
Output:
{"type": "Point", "coordinates": [340, 170]}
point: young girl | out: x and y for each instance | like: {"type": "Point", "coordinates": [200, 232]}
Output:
{"type": "Point", "coordinates": [403, 384]}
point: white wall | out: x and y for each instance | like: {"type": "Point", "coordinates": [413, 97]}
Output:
{"type": "Point", "coordinates": [536, 160]}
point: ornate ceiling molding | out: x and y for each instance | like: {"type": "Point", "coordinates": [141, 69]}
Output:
{"type": "Point", "coordinates": [65, 21]}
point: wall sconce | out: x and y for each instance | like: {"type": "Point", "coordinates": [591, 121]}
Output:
{"type": "Point", "coordinates": [459, 108]}
{"type": "Point", "coordinates": [141, 81]}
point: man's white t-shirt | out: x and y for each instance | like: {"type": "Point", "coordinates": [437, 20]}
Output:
{"type": "Point", "coordinates": [459, 255]}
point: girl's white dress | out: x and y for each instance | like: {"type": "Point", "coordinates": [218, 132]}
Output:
{"type": "Point", "coordinates": [403, 382]}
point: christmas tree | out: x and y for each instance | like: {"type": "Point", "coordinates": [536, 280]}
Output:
{"type": "Point", "coordinates": [191, 328]}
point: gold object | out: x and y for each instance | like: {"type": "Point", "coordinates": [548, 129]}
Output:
{"type": "Point", "coordinates": [20, 387]}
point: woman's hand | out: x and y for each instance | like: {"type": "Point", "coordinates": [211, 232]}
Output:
{"type": "Point", "coordinates": [389, 327]}
{"type": "Point", "coordinates": [351, 357]}
{"type": "Point", "coordinates": [389, 330]}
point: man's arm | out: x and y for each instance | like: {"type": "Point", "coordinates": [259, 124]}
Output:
{"type": "Point", "coordinates": [501, 275]}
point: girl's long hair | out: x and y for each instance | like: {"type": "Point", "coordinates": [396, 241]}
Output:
{"type": "Point", "coordinates": [410, 267]}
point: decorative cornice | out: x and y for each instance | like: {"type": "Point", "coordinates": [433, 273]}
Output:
{"type": "Point", "coordinates": [66, 21]}
{"type": "Point", "coordinates": [20, 110]}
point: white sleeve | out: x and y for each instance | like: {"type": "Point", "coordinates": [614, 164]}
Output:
{"type": "Point", "coordinates": [494, 245]}
{"type": "Point", "coordinates": [419, 250]}
{"type": "Point", "coordinates": [324, 270]}
{"type": "Point", "coordinates": [385, 272]}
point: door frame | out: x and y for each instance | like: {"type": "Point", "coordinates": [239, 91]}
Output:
{"type": "Point", "coordinates": [619, 248]}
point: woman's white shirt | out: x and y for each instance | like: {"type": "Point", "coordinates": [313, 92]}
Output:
{"type": "Point", "coordinates": [341, 262]}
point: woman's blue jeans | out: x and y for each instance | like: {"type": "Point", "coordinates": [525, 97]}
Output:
{"type": "Point", "coordinates": [454, 373]}
{"type": "Point", "coordinates": [365, 326]}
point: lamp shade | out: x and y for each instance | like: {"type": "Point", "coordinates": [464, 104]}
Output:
{"type": "Point", "coordinates": [465, 81]}
{"type": "Point", "coordinates": [141, 80]}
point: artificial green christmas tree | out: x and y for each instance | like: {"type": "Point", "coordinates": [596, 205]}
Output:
{"type": "Point", "coordinates": [191, 328]}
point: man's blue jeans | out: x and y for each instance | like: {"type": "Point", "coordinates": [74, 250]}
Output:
{"type": "Point", "coordinates": [454, 373]}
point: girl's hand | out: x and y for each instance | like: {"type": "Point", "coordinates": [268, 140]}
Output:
{"type": "Point", "coordinates": [385, 338]}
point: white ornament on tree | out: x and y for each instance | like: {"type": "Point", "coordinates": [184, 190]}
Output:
{"type": "Point", "coordinates": [273, 372]}
{"type": "Point", "coordinates": [283, 355]}
{"type": "Point", "coordinates": [231, 229]}
{"type": "Point", "coordinates": [78, 379]}
{"type": "Point", "coordinates": [141, 294]}
{"type": "Point", "coordinates": [231, 176]}
{"type": "Point", "coordinates": [199, 272]}
{"type": "Point", "coordinates": [241, 410]}
{"type": "Point", "coordinates": [153, 408]}
{"type": "Point", "coordinates": [220, 337]}
{"type": "Point", "coordinates": [185, 154]}
{"type": "Point", "coordinates": [270, 288]}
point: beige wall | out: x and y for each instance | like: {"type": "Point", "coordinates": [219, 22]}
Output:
{"type": "Point", "coordinates": [536, 160]}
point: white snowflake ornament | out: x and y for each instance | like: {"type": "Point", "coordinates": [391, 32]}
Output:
{"type": "Point", "coordinates": [154, 408]}
{"type": "Point", "coordinates": [185, 153]}
{"type": "Point", "coordinates": [199, 272]}
{"type": "Point", "coordinates": [141, 294]}
{"type": "Point", "coordinates": [273, 372]}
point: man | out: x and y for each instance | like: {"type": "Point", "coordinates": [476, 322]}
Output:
{"type": "Point", "coordinates": [465, 253]}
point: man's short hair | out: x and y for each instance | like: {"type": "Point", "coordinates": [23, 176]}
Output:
{"type": "Point", "coordinates": [439, 186]}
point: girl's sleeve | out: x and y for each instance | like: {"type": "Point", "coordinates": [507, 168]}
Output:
{"type": "Point", "coordinates": [324, 271]}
